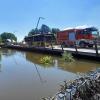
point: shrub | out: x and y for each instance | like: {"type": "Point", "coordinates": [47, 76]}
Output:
{"type": "Point", "coordinates": [46, 60]}
{"type": "Point", "coordinates": [67, 57]}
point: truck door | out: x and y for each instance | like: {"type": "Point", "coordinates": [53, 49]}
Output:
{"type": "Point", "coordinates": [72, 36]}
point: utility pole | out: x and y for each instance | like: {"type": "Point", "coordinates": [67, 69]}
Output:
{"type": "Point", "coordinates": [38, 22]}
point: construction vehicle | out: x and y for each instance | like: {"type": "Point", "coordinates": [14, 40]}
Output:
{"type": "Point", "coordinates": [83, 37]}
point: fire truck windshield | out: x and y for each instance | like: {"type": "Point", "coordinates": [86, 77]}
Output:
{"type": "Point", "coordinates": [94, 31]}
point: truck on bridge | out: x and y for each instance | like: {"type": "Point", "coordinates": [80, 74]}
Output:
{"type": "Point", "coordinates": [83, 37]}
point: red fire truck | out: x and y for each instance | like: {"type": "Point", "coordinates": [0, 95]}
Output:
{"type": "Point", "coordinates": [83, 37]}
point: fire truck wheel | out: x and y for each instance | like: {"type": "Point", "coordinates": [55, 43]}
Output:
{"type": "Point", "coordinates": [90, 46]}
{"type": "Point", "coordinates": [82, 44]}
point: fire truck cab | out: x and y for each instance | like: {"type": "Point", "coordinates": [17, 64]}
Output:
{"type": "Point", "coordinates": [82, 37]}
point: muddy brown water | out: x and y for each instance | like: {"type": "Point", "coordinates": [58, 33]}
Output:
{"type": "Point", "coordinates": [23, 77]}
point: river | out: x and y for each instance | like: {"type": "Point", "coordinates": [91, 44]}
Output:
{"type": "Point", "coordinates": [23, 77]}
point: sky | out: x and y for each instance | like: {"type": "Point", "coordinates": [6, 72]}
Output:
{"type": "Point", "coordinates": [20, 16]}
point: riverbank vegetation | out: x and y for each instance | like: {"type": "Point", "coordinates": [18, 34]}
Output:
{"type": "Point", "coordinates": [46, 60]}
{"type": "Point", "coordinates": [67, 57]}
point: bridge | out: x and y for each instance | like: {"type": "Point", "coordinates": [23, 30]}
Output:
{"type": "Point", "coordinates": [87, 53]}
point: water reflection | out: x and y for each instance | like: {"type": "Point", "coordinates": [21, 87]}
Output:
{"type": "Point", "coordinates": [25, 78]}
{"type": "Point", "coordinates": [77, 66]}
{"type": "Point", "coordinates": [0, 60]}
{"type": "Point", "coordinates": [7, 52]}
{"type": "Point", "coordinates": [35, 58]}
{"type": "Point", "coordinates": [39, 74]}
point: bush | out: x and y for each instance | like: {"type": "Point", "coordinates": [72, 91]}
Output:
{"type": "Point", "coordinates": [46, 60]}
{"type": "Point", "coordinates": [67, 57]}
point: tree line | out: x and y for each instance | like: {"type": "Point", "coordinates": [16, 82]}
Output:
{"type": "Point", "coordinates": [6, 35]}
{"type": "Point", "coordinates": [43, 30]}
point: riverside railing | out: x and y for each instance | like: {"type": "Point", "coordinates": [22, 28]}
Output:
{"type": "Point", "coordinates": [77, 47]}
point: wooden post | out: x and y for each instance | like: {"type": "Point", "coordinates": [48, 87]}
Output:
{"type": "Point", "coordinates": [51, 45]}
{"type": "Point", "coordinates": [44, 42]}
{"type": "Point", "coordinates": [44, 45]}
{"type": "Point", "coordinates": [76, 47]}
{"type": "Point", "coordinates": [62, 47]}
{"type": "Point", "coordinates": [96, 48]}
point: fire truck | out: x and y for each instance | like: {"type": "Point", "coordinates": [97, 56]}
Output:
{"type": "Point", "coordinates": [83, 37]}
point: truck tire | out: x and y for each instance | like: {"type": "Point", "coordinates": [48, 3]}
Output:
{"type": "Point", "coordinates": [82, 44]}
{"type": "Point", "coordinates": [90, 45]}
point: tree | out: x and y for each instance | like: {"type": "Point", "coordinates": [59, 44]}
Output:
{"type": "Point", "coordinates": [0, 39]}
{"type": "Point", "coordinates": [45, 29]}
{"type": "Point", "coordinates": [6, 35]}
{"type": "Point", "coordinates": [55, 30]}
{"type": "Point", "coordinates": [34, 31]}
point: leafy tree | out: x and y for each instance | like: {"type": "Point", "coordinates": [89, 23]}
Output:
{"type": "Point", "coordinates": [7, 35]}
{"type": "Point", "coordinates": [45, 29]}
{"type": "Point", "coordinates": [0, 39]}
{"type": "Point", "coordinates": [55, 30]}
{"type": "Point", "coordinates": [34, 31]}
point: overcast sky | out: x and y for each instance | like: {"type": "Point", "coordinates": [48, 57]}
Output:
{"type": "Point", "coordinates": [20, 16]}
